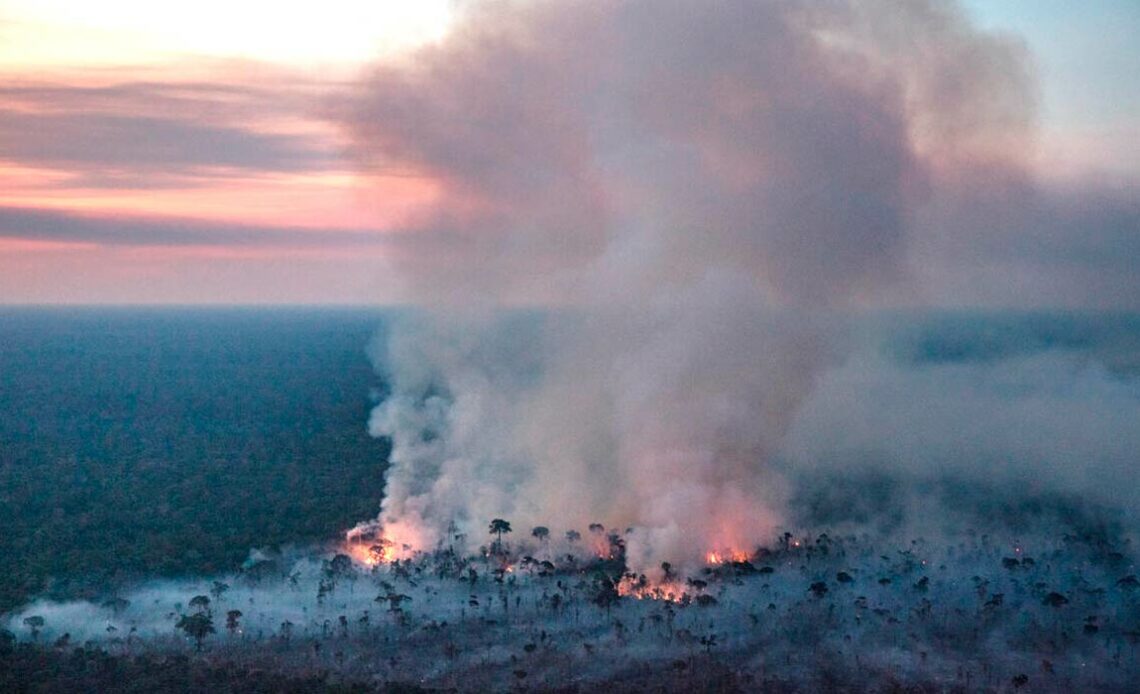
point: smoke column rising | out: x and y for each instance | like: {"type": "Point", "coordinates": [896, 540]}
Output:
{"type": "Point", "coordinates": [691, 191]}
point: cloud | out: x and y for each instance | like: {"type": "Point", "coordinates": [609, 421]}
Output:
{"type": "Point", "coordinates": [115, 143]}
{"type": "Point", "coordinates": [142, 131]}
{"type": "Point", "coordinates": [47, 225]}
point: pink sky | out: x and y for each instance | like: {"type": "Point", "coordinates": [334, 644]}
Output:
{"type": "Point", "coordinates": [237, 146]}
{"type": "Point", "coordinates": [198, 156]}
{"type": "Point", "coordinates": [184, 155]}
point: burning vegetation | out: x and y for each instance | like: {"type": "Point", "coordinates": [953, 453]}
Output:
{"type": "Point", "coordinates": [544, 608]}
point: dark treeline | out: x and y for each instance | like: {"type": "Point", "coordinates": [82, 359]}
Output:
{"type": "Point", "coordinates": [144, 442]}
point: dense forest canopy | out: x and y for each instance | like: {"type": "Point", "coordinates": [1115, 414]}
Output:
{"type": "Point", "coordinates": [150, 442]}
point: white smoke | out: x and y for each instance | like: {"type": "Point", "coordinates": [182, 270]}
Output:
{"type": "Point", "coordinates": [691, 189]}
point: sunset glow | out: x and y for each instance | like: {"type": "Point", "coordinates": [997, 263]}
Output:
{"type": "Point", "coordinates": [58, 32]}
{"type": "Point", "coordinates": [139, 143]}
{"type": "Point", "coordinates": [259, 115]}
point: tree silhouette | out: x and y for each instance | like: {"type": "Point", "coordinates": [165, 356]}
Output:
{"type": "Point", "coordinates": [35, 623]}
{"type": "Point", "coordinates": [573, 536]}
{"type": "Point", "coordinates": [232, 623]}
{"type": "Point", "coordinates": [197, 626]}
{"type": "Point", "coordinates": [341, 565]}
{"type": "Point", "coordinates": [498, 527]}
{"type": "Point", "coordinates": [542, 533]}
{"type": "Point", "coordinates": [201, 603]}
{"type": "Point", "coordinates": [394, 600]}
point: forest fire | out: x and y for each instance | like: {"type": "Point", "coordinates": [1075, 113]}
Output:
{"type": "Point", "coordinates": [371, 544]}
{"type": "Point", "coordinates": [670, 588]}
{"type": "Point", "coordinates": [725, 556]}
{"type": "Point", "coordinates": [640, 588]}
{"type": "Point", "coordinates": [371, 555]}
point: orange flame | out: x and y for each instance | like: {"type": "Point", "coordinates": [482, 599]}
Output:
{"type": "Point", "coordinates": [670, 591]}
{"type": "Point", "coordinates": [372, 545]}
{"type": "Point", "coordinates": [724, 556]}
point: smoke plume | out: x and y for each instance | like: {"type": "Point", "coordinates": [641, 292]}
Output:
{"type": "Point", "coordinates": [691, 192]}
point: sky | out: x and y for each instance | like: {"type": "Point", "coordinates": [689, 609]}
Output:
{"type": "Point", "coordinates": [218, 152]}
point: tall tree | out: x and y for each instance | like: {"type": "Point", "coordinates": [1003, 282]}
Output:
{"type": "Point", "coordinates": [498, 527]}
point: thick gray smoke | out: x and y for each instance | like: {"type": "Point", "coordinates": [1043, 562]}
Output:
{"type": "Point", "coordinates": [694, 189]}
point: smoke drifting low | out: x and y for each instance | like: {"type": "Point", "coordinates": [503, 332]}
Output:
{"type": "Point", "coordinates": [693, 192]}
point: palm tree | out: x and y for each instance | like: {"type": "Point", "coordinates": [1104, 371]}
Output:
{"type": "Point", "coordinates": [498, 527]}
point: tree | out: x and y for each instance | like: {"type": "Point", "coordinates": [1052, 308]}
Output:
{"type": "Point", "coordinates": [7, 641]}
{"type": "Point", "coordinates": [394, 600]}
{"type": "Point", "coordinates": [381, 551]}
{"type": "Point", "coordinates": [232, 624]}
{"type": "Point", "coordinates": [573, 536]}
{"type": "Point", "coordinates": [541, 533]}
{"type": "Point", "coordinates": [498, 527]}
{"type": "Point", "coordinates": [201, 603]}
{"type": "Point", "coordinates": [341, 565]}
{"type": "Point", "coordinates": [197, 626]}
{"type": "Point", "coordinates": [219, 589]}
{"type": "Point", "coordinates": [35, 623]}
